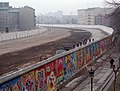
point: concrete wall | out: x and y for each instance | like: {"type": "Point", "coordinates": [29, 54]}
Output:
{"type": "Point", "coordinates": [45, 75]}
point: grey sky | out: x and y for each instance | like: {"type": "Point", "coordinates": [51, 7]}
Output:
{"type": "Point", "coordinates": [67, 6]}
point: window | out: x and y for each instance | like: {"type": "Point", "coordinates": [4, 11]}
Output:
{"type": "Point", "coordinates": [6, 5]}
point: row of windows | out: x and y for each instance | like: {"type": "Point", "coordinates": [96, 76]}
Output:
{"type": "Point", "coordinates": [3, 18]}
{"type": "Point", "coordinates": [4, 4]}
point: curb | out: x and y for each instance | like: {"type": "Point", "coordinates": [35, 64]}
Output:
{"type": "Point", "coordinates": [105, 84]}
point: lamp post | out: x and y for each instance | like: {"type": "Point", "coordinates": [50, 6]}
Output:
{"type": "Point", "coordinates": [91, 74]}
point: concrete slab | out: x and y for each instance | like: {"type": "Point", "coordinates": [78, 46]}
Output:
{"type": "Point", "coordinates": [95, 88]}
{"type": "Point", "coordinates": [73, 81]}
{"type": "Point", "coordinates": [105, 76]}
{"type": "Point", "coordinates": [87, 86]}
{"type": "Point", "coordinates": [104, 70]}
{"type": "Point", "coordinates": [88, 89]}
{"type": "Point", "coordinates": [98, 76]}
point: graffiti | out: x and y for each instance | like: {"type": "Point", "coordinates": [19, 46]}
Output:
{"type": "Point", "coordinates": [73, 60]}
{"type": "Point", "coordinates": [51, 76]}
{"type": "Point", "coordinates": [88, 55]}
{"type": "Point", "coordinates": [47, 76]}
{"type": "Point", "coordinates": [12, 85]}
{"type": "Point", "coordinates": [80, 59]}
{"type": "Point", "coordinates": [70, 65]}
{"type": "Point", "coordinates": [27, 81]}
{"type": "Point", "coordinates": [59, 70]}
{"type": "Point", "coordinates": [40, 79]}
{"type": "Point", "coordinates": [105, 44]}
{"type": "Point", "coordinates": [67, 67]}
{"type": "Point", "coordinates": [91, 51]}
{"type": "Point", "coordinates": [101, 46]}
{"type": "Point", "coordinates": [97, 48]}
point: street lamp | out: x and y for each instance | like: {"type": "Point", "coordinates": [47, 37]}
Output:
{"type": "Point", "coordinates": [91, 74]}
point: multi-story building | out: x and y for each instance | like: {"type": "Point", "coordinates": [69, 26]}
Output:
{"type": "Point", "coordinates": [93, 16]}
{"type": "Point", "coordinates": [14, 19]}
{"type": "Point", "coordinates": [102, 20]}
{"type": "Point", "coordinates": [27, 18]}
{"type": "Point", "coordinates": [4, 16]}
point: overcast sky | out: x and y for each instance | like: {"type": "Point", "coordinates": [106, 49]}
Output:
{"type": "Point", "coordinates": [67, 6]}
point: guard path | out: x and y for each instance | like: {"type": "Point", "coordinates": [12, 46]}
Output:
{"type": "Point", "coordinates": [102, 76]}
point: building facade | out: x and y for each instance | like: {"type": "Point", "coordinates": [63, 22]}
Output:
{"type": "Point", "coordinates": [27, 18]}
{"type": "Point", "coordinates": [14, 19]}
{"type": "Point", "coordinates": [4, 16]}
{"type": "Point", "coordinates": [93, 16]}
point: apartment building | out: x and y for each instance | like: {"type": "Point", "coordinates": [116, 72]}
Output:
{"type": "Point", "coordinates": [27, 18]}
{"type": "Point", "coordinates": [15, 19]}
{"type": "Point", "coordinates": [4, 16]}
{"type": "Point", "coordinates": [93, 16]}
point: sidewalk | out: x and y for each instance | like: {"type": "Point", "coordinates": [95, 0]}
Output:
{"type": "Point", "coordinates": [102, 76]}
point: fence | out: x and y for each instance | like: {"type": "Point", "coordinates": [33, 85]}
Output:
{"type": "Point", "coordinates": [45, 75]}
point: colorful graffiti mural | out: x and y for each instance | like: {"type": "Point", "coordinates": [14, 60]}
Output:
{"type": "Point", "coordinates": [67, 66]}
{"type": "Point", "coordinates": [28, 81]}
{"type": "Point", "coordinates": [88, 57]}
{"type": "Point", "coordinates": [80, 59]}
{"type": "Point", "coordinates": [12, 85]}
{"type": "Point", "coordinates": [73, 60]}
{"type": "Point", "coordinates": [59, 70]}
{"type": "Point", "coordinates": [51, 76]}
{"type": "Point", "coordinates": [97, 48]}
{"type": "Point", "coordinates": [40, 79]}
{"type": "Point", "coordinates": [47, 76]}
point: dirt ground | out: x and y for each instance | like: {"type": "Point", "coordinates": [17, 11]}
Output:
{"type": "Point", "coordinates": [22, 43]}
{"type": "Point", "coordinates": [13, 60]}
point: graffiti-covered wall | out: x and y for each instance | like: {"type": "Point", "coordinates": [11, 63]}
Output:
{"type": "Point", "coordinates": [47, 76]}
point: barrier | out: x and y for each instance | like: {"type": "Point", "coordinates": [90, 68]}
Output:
{"type": "Point", "coordinates": [20, 34]}
{"type": "Point", "coordinates": [45, 75]}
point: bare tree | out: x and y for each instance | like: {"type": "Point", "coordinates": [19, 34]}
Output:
{"type": "Point", "coordinates": [115, 17]}
{"type": "Point", "coordinates": [114, 3]}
